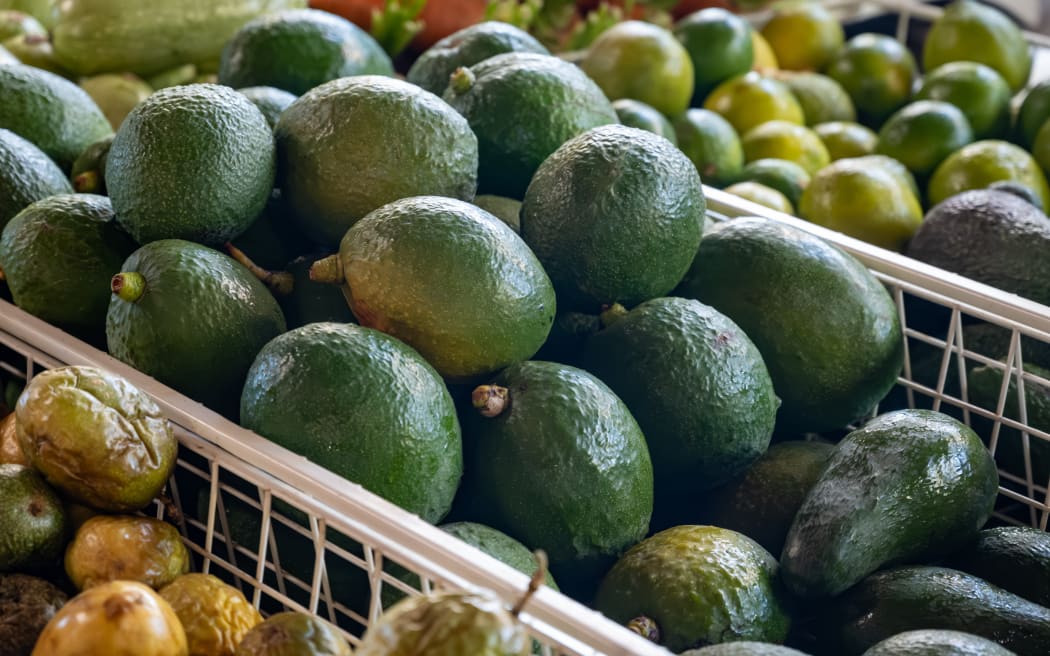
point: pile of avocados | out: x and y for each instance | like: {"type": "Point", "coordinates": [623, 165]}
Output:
{"type": "Point", "coordinates": [481, 282]}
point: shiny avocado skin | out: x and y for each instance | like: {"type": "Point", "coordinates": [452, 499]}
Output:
{"type": "Point", "coordinates": [827, 329]}
{"type": "Point", "coordinates": [937, 643]}
{"type": "Point", "coordinates": [554, 98]}
{"type": "Point", "coordinates": [363, 405]}
{"type": "Point", "coordinates": [922, 597]}
{"type": "Point", "coordinates": [744, 648]}
{"type": "Point", "coordinates": [26, 176]}
{"type": "Point", "coordinates": [199, 323]}
{"type": "Point", "coordinates": [1015, 558]}
{"type": "Point", "coordinates": [909, 484]}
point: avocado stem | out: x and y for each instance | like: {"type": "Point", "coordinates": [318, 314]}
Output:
{"type": "Point", "coordinates": [539, 577]}
{"type": "Point", "coordinates": [490, 400]}
{"type": "Point", "coordinates": [645, 627]}
{"type": "Point", "coordinates": [462, 80]}
{"type": "Point", "coordinates": [328, 270]}
{"type": "Point", "coordinates": [279, 282]}
{"type": "Point", "coordinates": [129, 286]}
{"type": "Point", "coordinates": [612, 313]}
{"type": "Point", "coordinates": [87, 182]}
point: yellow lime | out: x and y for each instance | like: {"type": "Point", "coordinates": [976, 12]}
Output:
{"type": "Point", "coordinates": [845, 139]}
{"type": "Point", "coordinates": [783, 140]}
{"type": "Point", "coordinates": [804, 36]}
{"type": "Point", "coordinates": [765, 60]}
{"type": "Point", "coordinates": [822, 99]}
{"type": "Point", "coordinates": [762, 195]}
{"type": "Point", "coordinates": [983, 162]}
{"type": "Point", "coordinates": [973, 31]}
{"type": "Point", "coordinates": [751, 99]}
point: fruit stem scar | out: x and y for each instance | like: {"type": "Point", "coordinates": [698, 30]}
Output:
{"type": "Point", "coordinates": [86, 182]}
{"type": "Point", "coordinates": [328, 270]}
{"type": "Point", "coordinates": [279, 282]}
{"type": "Point", "coordinates": [645, 627]}
{"type": "Point", "coordinates": [462, 80]}
{"type": "Point", "coordinates": [490, 400]}
{"type": "Point", "coordinates": [129, 286]}
{"type": "Point", "coordinates": [539, 577]}
{"type": "Point", "coordinates": [612, 313]}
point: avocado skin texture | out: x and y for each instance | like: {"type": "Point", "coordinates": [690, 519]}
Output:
{"type": "Point", "coordinates": [922, 597]}
{"type": "Point", "coordinates": [33, 519]}
{"type": "Point", "coordinates": [744, 648]}
{"type": "Point", "coordinates": [615, 215]}
{"type": "Point", "coordinates": [299, 49]}
{"type": "Point", "coordinates": [467, 47]}
{"type": "Point", "coordinates": [707, 406]}
{"type": "Point", "coordinates": [26, 175]}
{"type": "Point", "coordinates": [192, 162]}
{"type": "Point", "coordinates": [59, 255]}
{"type": "Point", "coordinates": [702, 585]}
{"type": "Point", "coordinates": [27, 604]}
{"type": "Point", "coordinates": [937, 643]}
{"type": "Point", "coordinates": [312, 302]}
{"type": "Point", "coordinates": [1015, 558]}
{"type": "Point", "coordinates": [989, 236]}
{"type": "Point", "coordinates": [763, 501]}
{"type": "Point", "coordinates": [270, 101]}
{"type": "Point", "coordinates": [827, 329]}
{"type": "Point", "coordinates": [909, 484]}
{"type": "Point", "coordinates": [365, 406]}
{"type": "Point", "coordinates": [563, 468]}
{"type": "Point", "coordinates": [51, 112]}
{"type": "Point", "coordinates": [522, 106]}
{"type": "Point", "coordinates": [199, 324]}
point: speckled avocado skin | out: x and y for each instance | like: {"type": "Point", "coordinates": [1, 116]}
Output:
{"type": "Point", "coordinates": [744, 648]}
{"type": "Point", "coordinates": [26, 175]}
{"type": "Point", "coordinates": [523, 106]}
{"type": "Point", "coordinates": [615, 216]}
{"type": "Point", "coordinates": [563, 468]}
{"type": "Point", "coordinates": [193, 162]}
{"type": "Point", "coordinates": [50, 112]}
{"type": "Point", "coordinates": [199, 324]}
{"type": "Point", "coordinates": [931, 642]}
{"type": "Point", "coordinates": [909, 484]}
{"type": "Point", "coordinates": [1015, 558]}
{"type": "Point", "coordinates": [920, 597]}
{"type": "Point", "coordinates": [363, 405]}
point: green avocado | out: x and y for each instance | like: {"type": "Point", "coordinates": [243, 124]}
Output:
{"type": "Point", "coordinates": [1015, 558]}
{"type": "Point", "coordinates": [26, 175]}
{"type": "Point", "coordinates": [270, 101]}
{"type": "Point", "coordinates": [908, 484]}
{"type": "Point", "coordinates": [89, 169]}
{"type": "Point", "coordinates": [636, 114]}
{"type": "Point", "coordinates": [932, 642]}
{"type": "Point", "coordinates": [33, 519]}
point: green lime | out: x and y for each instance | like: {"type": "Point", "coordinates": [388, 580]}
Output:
{"type": "Point", "coordinates": [762, 195]}
{"type": "Point", "coordinates": [712, 144]}
{"type": "Point", "coordinates": [845, 139]}
{"type": "Point", "coordinates": [877, 72]}
{"type": "Point", "coordinates": [921, 135]}
{"type": "Point", "coordinates": [784, 140]}
{"type": "Point", "coordinates": [786, 177]}
{"type": "Point", "coordinates": [979, 91]}
{"type": "Point", "coordinates": [1034, 112]}
{"type": "Point", "coordinates": [983, 162]}
{"type": "Point", "coordinates": [1041, 147]}
{"type": "Point", "coordinates": [822, 99]}
{"type": "Point", "coordinates": [973, 31]}
{"type": "Point", "coordinates": [640, 60]}
{"type": "Point", "coordinates": [750, 100]}
{"type": "Point", "coordinates": [804, 36]}
{"type": "Point", "coordinates": [636, 114]}
{"type": "Point", "coordinates": [720, 45]}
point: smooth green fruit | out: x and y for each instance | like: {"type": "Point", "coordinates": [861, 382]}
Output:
{"type": "Point", "coordinates": [193, 162]}
{"type": "Point", "coordinates": [983, 162]}
{"type": "Point", "coordinates": [523, 107]}
{"type": "Point", "coordinates": [833, 353]}
{"type": "Point", "coordinates": [907, 485]}
{"type": "Point", "coordinates": [719, 45]}
{"type": "Point", "coordinates": [147, 37]}
{"type": "Point", "coordinates": [762, 195]}
{"type": "Point", "coordinates": [979, 91]}
{"type": "Point", "coordinates": [293, 634]}
{"type": "Point", "coordinates": [1015, 558]}
{"type": "Point", "coordinates": [116, 95]}
{"type": "Point", "coordinates": [58, 256]}
{"type": "Point", "coordinates": [29, 603]}
{"type": "Point", "coordinates": [899, 172]}
{"type": "Point", "coordinates": [932, 642]}
{"type": "Point", "coordinates": [446, 624]}
{"type": "Point", "coordinates": [44, 11]}
{"type": "Point", "coordinates": [615, 216]}
{"type": "Point", "coordinates": [639, 60]}
{"type": "Point", "coordinates": [917, 597]}
{"type": "Point", "coordinates": [786, 140]}
{"type": "Point", "coordinates": [1041, 147]}
{"type": "Point", "coordinates": [14, 23]}
{"type": "Point", "coordinates": [922, 134]}
{"type": "Point", "coordinates": [977, 32]}
{"type": "Point", "coordinates": [499, 545]}
{"type": "Point", "coordinates": [270, 101]}
{"type": "Point", "coordinates": [822, 99]}
{"type": "Point", "coordinates": [1033, 114]}
{"type": "Point", "coordinates": [706, 417]}
{"type": "Point", "coordinates": [540, 433]}
{"type": "Point", "coordinates": [33, 519]}
{"type": "Point", "coordinates": [467, 47]}
{"type": "Point", "coordinates": [877, 72]}
{"type": "Point", "coordinates": [763, 501]}
{"type": "Point", "coordinates": [173, 77]}
{"type": "Point", "coordinates": [365, 406]}
{"type": "Point", "coordinates": [636, 114]}
{"type": "Point", "coordinates": [410, 142]}
{"type": "Point", "coordinates": [192, 318]}
{"type": "Point", "coordinates": [488, 302]}
{"type": "Point", "coordinates": [126, 548]}
{"type": "Point", "coordinates": [507, 210]}
{"type": "Point", "coordinates": [36, 50]}
{"type": "Point", "coordinates": [26, 176]}
{"type": "Point", "coordinates": [56, 115]}
{"type": "Point", "coordinates": [863, 200]}
{"type": "Point", "coordinates": [700, 585]}
{"type": "Point", "coordinates": [299, 49]}
{"type": "Point", "coordinates": [844, 140]}
{"type": "Point", "coordinates": [785, 176]}
{"type": "Point", "coordinates": [803, 35]}
{"type": "Point", "coordinates": [96, 438]}
{"type": "Point", "coordinates": [750, 100]}
{"type": "Point", "coordinates": [711, 144]}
